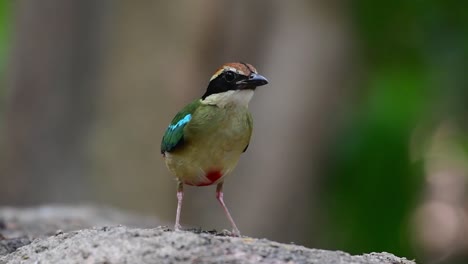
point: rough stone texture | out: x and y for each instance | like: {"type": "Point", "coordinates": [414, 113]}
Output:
{"type": "Point", "coordinates": [121, 244]}
{"type": "Point", "coordinates": [18, 227]}
{"type": "Point", "coordinates": [10, 245]}
{"type": "Point", "coordinates": [47, 220]}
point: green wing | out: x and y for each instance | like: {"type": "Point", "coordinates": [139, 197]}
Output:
{"type": "Point", "coordinates": [250, 124]}
{"type": "Point", "coordinates": [174, 136]}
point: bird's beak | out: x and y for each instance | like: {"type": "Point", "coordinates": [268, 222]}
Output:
{"type": "Point", "coordinates": [254, 80]}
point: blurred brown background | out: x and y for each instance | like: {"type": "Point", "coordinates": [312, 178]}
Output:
{"type": "Point", "coordinates": [360, 138]}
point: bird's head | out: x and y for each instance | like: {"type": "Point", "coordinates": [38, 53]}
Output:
{"type": "Point", "coordinates": [233, 83]}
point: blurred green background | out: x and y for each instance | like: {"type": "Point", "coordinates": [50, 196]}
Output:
{"type": "Point", "coordinates": [360, 140]}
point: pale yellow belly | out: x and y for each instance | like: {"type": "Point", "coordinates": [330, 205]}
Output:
{"type": "Point", "coordinates": [202, 166]}
{"type": "Point", "coordinates": [208, 157]}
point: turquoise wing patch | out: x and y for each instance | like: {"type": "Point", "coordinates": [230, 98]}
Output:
{"type": "Point", "coordinates": [174, 135]}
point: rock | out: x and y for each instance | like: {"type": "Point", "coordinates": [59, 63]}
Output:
{"type": "Point", "coordinates": [121, 244]}
{"type": "Point", "coordinates": [10, 245]}
{"type": "Point", "coordinates": [47, 220]}
{"type": "Point", "coordinates": [18, 227]}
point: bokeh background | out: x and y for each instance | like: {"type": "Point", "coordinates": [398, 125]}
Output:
{"type": "Point", "coordinates": [360, 140]}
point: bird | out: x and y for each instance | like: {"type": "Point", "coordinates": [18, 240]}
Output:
{"type": "Point", "coordinates": [205, 140]}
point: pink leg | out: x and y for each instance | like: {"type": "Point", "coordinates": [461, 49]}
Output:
{"type": "Point", "coordinates": [180, 196]}
{"type": "Point", "coordinates": [219, 196]}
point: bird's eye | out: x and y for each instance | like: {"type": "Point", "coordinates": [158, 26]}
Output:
{"type": "Point", "coordinates": [229, 76]}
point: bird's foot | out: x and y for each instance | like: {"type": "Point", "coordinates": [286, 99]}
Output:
{"type": "Point", "coordinates": [232, 233]}
{"type": "Point", "coordinates": [177, 227]}
{"type": "Point", "coordinates": [235, 232]}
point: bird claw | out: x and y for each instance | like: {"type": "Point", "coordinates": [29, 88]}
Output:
{"type": "Point", "coordinates": [232, 233]}
{"type": "Point", "coordinates": [177, 227]}
{"type": "Point", "coordinates": [235, 233]}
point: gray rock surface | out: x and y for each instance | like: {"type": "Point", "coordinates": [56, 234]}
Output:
{"type": "Point", "coordinates": [121, 244]}
{"type": "Point", "coordinates": [47, 220]}
{"type": "Point", "coordinates": [20, 226]}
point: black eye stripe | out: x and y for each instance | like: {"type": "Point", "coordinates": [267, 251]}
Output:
{"type": "Point", "coordinates": [228, 79]}
{"type": "Point", "coordinates": [230, 76]}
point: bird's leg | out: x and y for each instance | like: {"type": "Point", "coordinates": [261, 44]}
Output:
{"type": "Point", "coordinates": [219, 196]}
{"type": "Point", "coordinates": [180, 196]}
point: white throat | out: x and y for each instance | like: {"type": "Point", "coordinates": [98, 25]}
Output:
{"type": "Point", "coordinates": [231, 97]}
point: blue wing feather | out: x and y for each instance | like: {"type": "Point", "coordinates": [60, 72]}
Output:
{"type": "Point", "coordinates": [174, 136]}
{"type": "Point", "coordinates": [180, 123]}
